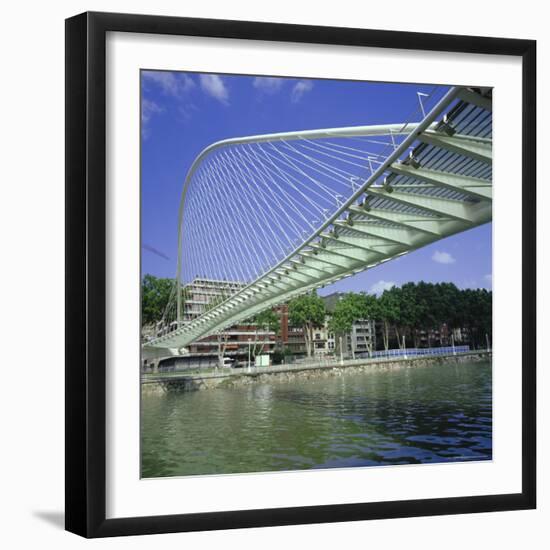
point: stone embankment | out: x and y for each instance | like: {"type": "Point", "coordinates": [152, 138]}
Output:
{"type": "Point", "coordinates": [161, 383]}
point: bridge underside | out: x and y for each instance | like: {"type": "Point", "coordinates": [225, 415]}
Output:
{"type": "Point", "coordinates": [435, 183]}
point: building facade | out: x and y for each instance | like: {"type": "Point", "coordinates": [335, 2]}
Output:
{"type": "Point", "coordinates": [238, 342]}
{"type": "Point", "coordinates": [362, 338]}
{"type": "Point", "coordinates": [202, 294]}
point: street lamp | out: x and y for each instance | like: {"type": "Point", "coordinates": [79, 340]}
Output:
{"type": "Point", "coordinates": [249, 341]}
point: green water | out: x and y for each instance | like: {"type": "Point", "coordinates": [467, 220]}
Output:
{"type": "Point", "coordinates": [408, 416]}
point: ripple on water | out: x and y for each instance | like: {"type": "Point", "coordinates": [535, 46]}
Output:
{"type": "Point", "coordinates": [410, 416]}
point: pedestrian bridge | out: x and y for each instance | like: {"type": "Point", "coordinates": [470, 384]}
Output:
{"type": "Point", "coordinates": [275, 216]}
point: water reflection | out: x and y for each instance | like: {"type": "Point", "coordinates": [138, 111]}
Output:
{"type": "Point", "coordinates": [415, 415]}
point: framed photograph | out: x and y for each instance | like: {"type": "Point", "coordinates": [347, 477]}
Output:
{"type": "Point", "coordinates": [300, 280]}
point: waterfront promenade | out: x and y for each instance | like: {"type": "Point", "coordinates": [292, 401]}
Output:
{"type": "Point", "coordinates": [194, 380]}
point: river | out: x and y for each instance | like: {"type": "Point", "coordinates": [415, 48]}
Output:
{"type": "Point", "coordinates": [426, 414]}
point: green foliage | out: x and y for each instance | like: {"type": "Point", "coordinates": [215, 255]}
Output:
{"type": "Point", "coordinates": [428, 306]}
{"type": "Point", "coordinates": [350, 308]}
{"type": "Point", "coordinates": [412, 305]}
{"type": "Point", "coordinates": [388, 312]}
{"type": "Point", "coordinates": [267, 319]}
{"type": "Point", "coordinates": [353, 307]}
{"type": "Point", "coordinates": [155, 293]}
{"type": "Point", "coordinates": [409, 309]}
{"type": "Point", "coordinates": [416, 307]}
{"type": "Point", "coordinates": [389, 305]}
{"type": "Point", "coordinates": [477, 306]}
{"type": "Point", "coordinates": [279, 355]}
{"type": "Point", "coordinates": [308, 309]}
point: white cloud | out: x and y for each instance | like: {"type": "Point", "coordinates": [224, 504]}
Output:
{"type": "Point", "coordinates": [300, 88]}
{"type": "Point", "coordinates": [488, 280]}
{"type": "Point", "coordinates": [443, 258]}
{"type": "Point", "coordinates": [379, 287]}
{"type": "Point", "coordinates": [174, 84]}
{"type": "Point", "coordinates": [148, 109]}
{"type": "Point", "coordinates": [214, 86]}
{"type": "Point", "coordinates": [268, 84]}
{"type": "Point", "coordinates": [468, 283]}
{"type": "Point", "coordinates": [186, 111]}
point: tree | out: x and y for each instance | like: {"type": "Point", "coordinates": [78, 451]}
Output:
{"type": "Point", "coordinates": [427, 307]}
{"type": "Point", "coordinates": [477, 306]}
{"type": "Point", "coordinates": [270, 322]}
{"type": "Point", "coordinates": [279, 355]}
{"type": "Point", "coordinates": [268, 319]}
{"type": "Point", "coordinates": [410, 311]}
{"type": "Point", "coordinates": [155, 295]}
{"type": "Point", "coordinates": [353, 307]}
{"type": "Point", "coordinates": [222, 338]}
{"type": "Point", "coordinates": [307, 311]}
{"type": "Point", "coordinates": [388, 313]}
{"type": "Point", "coordinates": [448, 306]}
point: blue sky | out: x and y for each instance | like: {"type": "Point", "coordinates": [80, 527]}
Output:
{"type": "Point", "coordinates": [184, 112]}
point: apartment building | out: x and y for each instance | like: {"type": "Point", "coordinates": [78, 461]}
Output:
{"type": "Point", "coordinates": [202, 294]}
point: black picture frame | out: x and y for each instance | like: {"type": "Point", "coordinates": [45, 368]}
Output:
{"type": "Point", "coordinates": [86, 269]}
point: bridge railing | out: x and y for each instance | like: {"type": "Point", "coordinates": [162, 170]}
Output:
{"type": "Point", "coordinates": [413, 352]}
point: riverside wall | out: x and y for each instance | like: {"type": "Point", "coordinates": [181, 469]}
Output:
{"type": "Point", "coordinates": [284, 374]}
